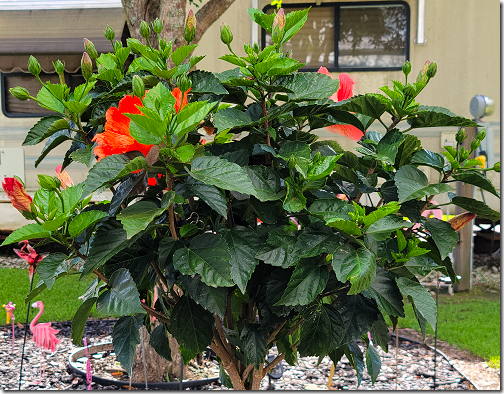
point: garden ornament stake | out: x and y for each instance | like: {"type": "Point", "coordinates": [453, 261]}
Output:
{"type": "Point", "coordinates": [9, 311]}
{"type": "Point", "coordinates": [261, 235]}
{"type": "Point", "coordinates": [89, 375]}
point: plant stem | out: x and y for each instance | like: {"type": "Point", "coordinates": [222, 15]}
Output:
{"type": "Point", "coordinates": [171, 215]}
{"type": "Point", "coordinates": [159, 274]}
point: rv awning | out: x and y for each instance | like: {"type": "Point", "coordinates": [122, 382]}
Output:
{"type": "Point", "coordinates": [50, 35]}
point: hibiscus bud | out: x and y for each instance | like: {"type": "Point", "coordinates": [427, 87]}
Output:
{"type": "Point", "coordinates": [138, 87]}
{"type": "Point", "coordinates": [90, 49]}
{"type": "Point", "coordinates": [16, 192]}
{"type": "Point", "coordinates": [461, 136]}
{"type": "Point", "coordinates": [48, 182]}
{"type": "Point", "coordinates": [20, 93]}
{"type": "Point", "coordinates": [63, 177]}
{"type": "Point", "coordinates": [432, 70]}
{"type": "Point", "coordinates": [34, 66]}
{"type": "Point", "coordinates": [185, 83]}
{"type": "Point", "coordinates": [59, 67]}
{"type": "Point", "coordinates": [190, 27]}
{"type": "Point", "coordinates": [481, 134]}
{"type": "Point", "coordinates": [422, 77]}
{"type": "Point", "coordinates": [409, 90]}
{"type": "Point", "coordinates": [145, 30]}
{"type": "Point", "coordinates": [406, 67]}
{"type": "Point", "coordinates": [475, 144]}
{"type": "Point", "coordinates": [226, 35]}
{"type": "Point", "coordinates": [461, 220]}
{"type": "Point", "coordinates": [278, 26]}
{"type": "Point", "coordinates": [157, 25]}
{"type": "Point", "coordinates": [86, 66]}
{"type": "Point", "coordinates": [496, 167]}
{"type": "Point", "coordinates": [117, 45]}
{"type": "Point", "coordinates": [464, 154]}
{"type": "Point", "coordinates": [109, 33]}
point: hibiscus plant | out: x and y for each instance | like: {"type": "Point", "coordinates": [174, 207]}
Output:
{"type": "Point", "coordinates": [261, 235]}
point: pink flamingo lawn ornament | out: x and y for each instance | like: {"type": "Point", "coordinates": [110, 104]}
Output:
{"type": "Point", "coordinates": [43, 334]}
{"type": "Point", "coordinates": [9, 309]}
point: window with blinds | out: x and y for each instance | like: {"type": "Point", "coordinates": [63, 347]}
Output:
{"type": "Point", "coordinates": [357, 36]}
{"type": "Point", "coordinates": [13, 108]}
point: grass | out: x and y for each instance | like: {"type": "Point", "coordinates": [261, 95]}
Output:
{"type": "Point", "coordinates": [60, 302]}
{"type": "Point", "coordinates": [469, 320]}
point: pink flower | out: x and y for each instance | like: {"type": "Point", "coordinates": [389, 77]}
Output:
{"type": "Point", "coordinates": [64, 178]}
{"type": "Point", "coordinates": [31, 256]}
{"type": "Point", "coordinates": [345, 91]}
{"type": "Point", "coordinates": [15, 190]}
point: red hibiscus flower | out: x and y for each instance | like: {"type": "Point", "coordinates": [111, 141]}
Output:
{"type": "Point", "coordinates": [16, 192]}
{"type": "Point", "coordinates": [344, 92]}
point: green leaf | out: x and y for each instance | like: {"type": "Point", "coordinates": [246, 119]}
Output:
{"type": "Point", "coordinates": [331, 209]}
{"type": "Point", "coordinates": [229, 118]}
{"type": "Point", "coordinates": [80, 319]}
{"type": "Point", "coordinates": [109, 169]}
{"type": "Point", "coordinates": [29, 231]}
{"type": "Point", "coordinates": [408, 147]}
{"type": "Point", "coordinates": [386, 293]}
{"type": "Point", "coordinates": [443, 234]}
{"type": "Point", "coordinates": [53, 141]}
{"type": "Point", "coordinates": [294, 200]}
{"type": "Point", "coordinates": [191, 325]}
{"type": "Point", "coordinates": [83, 155]}
{"type": "Point", "coordinates": [125, 338]}
{"type": "Point", "coordinates": [53, 225]}
{"type": "Point", "coordinates": [428, 158]}
{"type": "Point", "coordinates": [234, 60]}
{"type": "Point", "coordinates": [179, 54]}
{"type": "Point", "coordinates": [146, 130]}
{"type": "Point", "coordinates": [123, 297]}
{"type": "Point", "coordinates": [412, 183]}
{"type": "Point", "coordinates": [160, 342]}
{"type": "Point", "coordinates": [208, 256]}
{"type": "Point", "coordinates": [366, 104]}
{"type": "Point", "coordinates": [357, 266]}
{"type": "Point", "coordinates": [388, 146]}
{"type": "Point", "coordinates": [47, 100]}
{"type": "Point", "coordinates": [380, 333]}
{"type": "Point", "coordinates": [387, 209]}
{"type": "Point", "coordinates": [110, 238]}
{"type": "Point", "coordinates": [206, 82]}
{"type": "Point", "coordinates": [306, 282]}
{"type": "Point", "coordinates": [373, 362]}
{"type": "Point", "coordinates": [255, 342]}
{"type": "Point", "coordinates": [214, 197]}
{"type": "Point", "coordinates": [284, 66]}
{"type": "Point", "coordinates": [477, 179]}
{"type": "Point", "coordinates": [315, 239]}
{"type": "Point", "coordinates": [356, 359]}
{"type": "Point", "coordinates": [190, 116]}
{"type": "Point", "coordinates": [262, 19]}
{"type": "Point", "coordinates": [477, 207]}
{"type": "Point", "coordinates": [138, 216]}
{"type": "Point", "coordinates": [322, 167]}
{"type": "Point", "coordinates": [211, 298]}
{"type": "Point", "coordinates": [423, 301]}
{"type": "Point", "coordinates": [429, 116]}
{"type": "Point", "coordinates": [44, 128]}
{"type": "Point", "coordinates": [243, 245]}
{"type": "Point", "coordinates": [185, 153]}
{"type": "Point", "coordinates": [279, 248]}
{"type": "Point", "coordinates": [347, 226]}
{"type": "Point", "coordinates": [266, 183]}
{"type": "Point", "coordinates": [382, 228]}
{"type": "Point", "coordinates": [294, 21]}
{"type": "Point", "coordinates": [84, 220]}
{"type": "Point", "coordinates": [221, 173]}
{"type": "Point", "coordinates": [50, 267]}
{"type": "Point", "coordinates": [321, 332]}
{"type": "Point", "coordinates": [76, 107]}
{"type": "Point", "coordinates": [308, 86]}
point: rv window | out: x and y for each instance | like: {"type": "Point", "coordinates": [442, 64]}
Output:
{"type": "Point", "coordinates": [14, 108]}
{"type": "Point", "coordinates": [357, 36]}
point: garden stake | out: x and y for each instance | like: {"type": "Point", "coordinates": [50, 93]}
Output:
{"type": "Point", "coordinates": [435, 331]}
{"type": "Point", "coordinates": [89, 377]}
{"type": "Point", "coordinates": [9, 310]}
{"type": "Point", "coordinates": [25, 332]}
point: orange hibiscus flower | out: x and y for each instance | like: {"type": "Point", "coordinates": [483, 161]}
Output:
{"type": "Point", "coordinates": [345, 91]}
{"type": "Point", "coordinates": [180, 99]}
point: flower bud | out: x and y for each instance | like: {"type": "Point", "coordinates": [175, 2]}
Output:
{"type": "Point", "coordinates": [409, 90]}
{"type": "Point", "coordinates": [432, 70]}
{"type": "Point", "coordinates": [16, 192]}
{"type": "Point", "coordinates": [461, 220]}
{"type": "Point", "coordinates": [475, 144]}
{"type": "Point", "coordinates": [117, 45]}
{"type": "Point", "coordinates": [481, 134]}
{"type": "Point", "coordinates": [278, 26]}
{"type": "Point", "coordinates": [422, 77]}
{"type": "Point", "coordinates": [461, 136]}
{"type": "Point", "coordinates": [184, 83]}
{"type": "Point", "coordinates": [464, 154]}
{"type": "Point", "coordinates": [406, 67]}
{"type": "Point", "coordinates": [86, 66]}
{"type": "Point", "coordinates": [226, 35]}
{"type": "Point", "coordinates": [109, 33]}
{"type": "Point", "coordinates": [90, 49]}
{"type": "Point", "coordinates": [145, 30]}
{"type": "Point", "coordinates": [157, 25]}
{"type": "Point", "coordinates": [34, 66]}
{"type": "Point", "coordinates": [20, 93]}
{"type": "Point", "coordinates": [138, 86]}
{"type": "Point", "coordinates": [496, 167]}
{"type": "Point", "coordinates": [59, 67]}
{"type": "Point", "coordinates": [48, 182]}
{"type": "Point", "coordinates": [190, 27]}
{"type": "Point", "coordinates": [63, 177]}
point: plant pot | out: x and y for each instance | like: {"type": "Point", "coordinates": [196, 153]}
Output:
{"type": "Point", "coordinates": [79, 368]}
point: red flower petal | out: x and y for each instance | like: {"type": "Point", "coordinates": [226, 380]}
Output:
{"type": "Point", "coordinates": [345, 90]}
{"type": "Point", "coordinates": [346, 130]}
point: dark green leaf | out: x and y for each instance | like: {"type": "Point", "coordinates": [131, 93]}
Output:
{"type": "Point", "coordinates": [424, 303]}
{"type": "Point", "coordinates": [266, 183]}
{"type": "Point", "coordinates": [54, 141]}
{"type": "Point", "coordinates": [214, 197]}
{"type": "Point", "coordinates": [135, 218]}
{"type": "Point", "coordinates": [373, 362]}
{"type": "Point", "coordinates": [123, 297]}
{"type": "Point", "coordinates": [316, 239]}
{"type": "Point", "coordinates": [44, 128]}
{"type": "Point", "coordinates": [409, 146]}
{"type": "Point", "coordinates": [243, 245]}
{"type": "Point", "coordinates": [306, 282]}
{"type": "Point", "coordinates": [477, 179]}
{"type": "Point", "coordinates": [229, 118]}
{"type": "Point", "coordinates": [331, 209]}
{"type": "Point", "coordinates": [308, 86]}
{"type": "Point", "coordinates": [364, 104]}
{"type": "Point", "coordinates": [428, 158]}
{"type": "Point", "coordinates": [357, 266]}
{"type": "Point", "coordinates": [380, 333]}
{"type": "Point", "coordinates": [125, 338]}
{"type": "Point", "coordinates": [356, 359]}
{"type": "Point", "coordinates": [84, 220]}
{"type": "Point", "coordinates": [279, 249]}
{"type": "Point", "coordinates": [412, 183]}
{"type": "Point", "coordinates": [382, 228]}
{"type": "Point", "coordinates": [443, 234]}
{"type": "Point", "coordinates": [211, 298]}
{"type": "Point", "coordinates": [160, 343]}
{"type": "Point", "coordinates": [429, 116]}
{"type": "Point", "coordinates": [29, 231]}
{"type": "Point", "coordinates": [254, 341]}
{"type": "Point", "coordinates": [80, 319]}
{"type": "Point", "coordinates": [51, 266]}
{"type": "Point", "coordinates": [477, 207]}
{"type": "Point", "coordinates": [381, 212]}
{"type": "Point", "coordinates": [386, 293]}
{"type": "Point", "coordinates": [388, 146]}
{"type": "Point", "coordinates": [208, 256]}
{"type": "Point", "coordinates": [206, 82]}
{"type": "Point", "coordinates": [191, 325]}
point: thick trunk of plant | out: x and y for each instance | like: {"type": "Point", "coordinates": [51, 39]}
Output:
{"type": "Point", "coordinates": [172, 13]}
